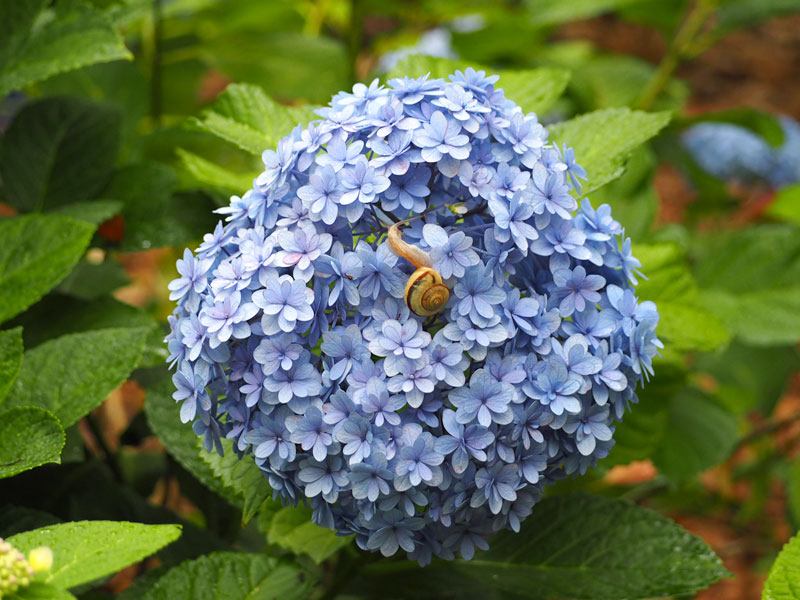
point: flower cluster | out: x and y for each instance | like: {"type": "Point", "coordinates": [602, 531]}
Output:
{"type": "Point", "coordinates": [732, 153]}
{"type": "Point", "coordinates": [16, 571]}
{"type": "Point", "coordinates": [292, 336]}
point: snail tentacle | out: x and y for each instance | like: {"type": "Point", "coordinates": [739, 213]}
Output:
{"type": "Point", "coordinates": [416, 256]}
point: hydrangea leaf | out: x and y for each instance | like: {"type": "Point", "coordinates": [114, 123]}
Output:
{"type": "Point", "coordinates": [783, 581]}
{"type": "Point", "coordinates": [640, 434]}
{"type": "Point", "coordinates": [209, 174]}
{"type": "Point", "coordinates": [84, 551]}
{"type": "Point", "coordinates": [242, 477]}
{"type": "Point", "coordinates": [10, 359]}
{"type": "Point", "coordinates": [58, 151]}
{"type": "Point", "coordinates": [603, 140]}
{"type": "Point", "coordinates": [685, 321]}
{"type": "Point", "coordinates": [154, 214]}
{"type": "Point", "coordinates": [90, 280]}
{"type": "Point", "coordinates": [38, 590]}
{"type": "Point", "coordinates": [786, 205]}
{"type": "Point", "coordinates": [58, 315]}
{"type": "Point", "coordinates": [290, 527]}
{"type": "Point", "coordinates": [699, 434]}
{"type": "Point", "coordinates": [72, 374]}
{"type": "Point", "coordinates": [37, 252]}
{"type": "Point", "coordinates": [753, 272]}
{"type": "Point", "coordinates": [29, 437]}
{"type": "Point", "coordinates": [231, 576]}
{"type": "Point", "coordinates": [552, 13]}
{"type": "Point", "coordinates": [94, 212]}
{"type": "Point", "coordinates": [179, 439]}
{"type": "Point", "coordinates": [71, 36]}
{"type": "Point", "coordinates": [246, 116]}
{"type": "Point", "coordinates": [577, 547]}
{"type": "Point", "coordinates": [535, 90]}
{"type": "Point", "coordinates": [16, 21]}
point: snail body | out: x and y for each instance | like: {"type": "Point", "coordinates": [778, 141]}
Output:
{"type": "Point", "coordinates": [425, 294]}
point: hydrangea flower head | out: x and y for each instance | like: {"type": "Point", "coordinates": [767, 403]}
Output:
{"type": "Point", "coordinates": [293, 338]}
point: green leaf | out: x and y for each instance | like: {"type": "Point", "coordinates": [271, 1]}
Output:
{"type": "Point", "coordinates": [247, 117]}
{"type": "Point", "coordinates": [733, 14]}
{"type": "Point", "coordinates": [786, 205]}
{"type": "Point", "coordinates": [90, 280]}
{"type": "Point", "coordinates": [291, 527]}
{"type": "Point", "coordinates": [753, 272]}
{"type": "Point", "coordinates": [58, 315]}
{"type": "Point", "coordinates": [94, 212]}
{"type": "Point", "coordinates": [783, 581]}
{"type": "Point", "coordinates": [794, 491]}
{"type": "Point", "coordinates": [38, 590]}
{"type": "Point", "coordinates": [209, 174]}
{"type": "Point", "coordinates": [685, 322]}
{"type": "Point", "coordinates": [642, 430]}
{"type": "Point", "coordinates": [29, 437]}
{"type": "Point", "coordinates": [154, 215]}
{"type": "Point", "coordinates": [73, 374]}
{"type": "Point", "coordinates": [535, 90]}
{"type": "Point", "coordinates": [242, 477]}
{"type": "Point", "coordinates": [699, 434]}
{"type": "Point", "coordinates": [10, 359]}
{"type": "Point", "coordinates": [544, 12]}
{"type": "Point", "coordinates": [37, 252]}
{"type": "Point", "coordinates": [68, 37]}
{"type": "Point", "coordinates": [84, 551]}
{"type": "Point", "coordinates": [603, 139]}
{"type": "Point", "coordinates": [773, 315]}
{"type": "Point", "coordinates": [163, 416]}
{"type": "Point", "coordinates": [58, 151]}
{"type": "Point", "coordinates": [575, 546]}
{"type": "Point", "coordinates": [231, 576]}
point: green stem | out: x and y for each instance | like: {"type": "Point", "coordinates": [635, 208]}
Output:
{"type": "Point", "coordinates": [155, 64]}
{"type": "Point", "coordinates": [698, 14]}
{"type": "Point", "coordinates": [355, 35]}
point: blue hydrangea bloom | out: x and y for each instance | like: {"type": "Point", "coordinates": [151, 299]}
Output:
{"type": "Point", "coordinates": [733, 153]}
{"type": "Point", "coordinates": [292, 336]}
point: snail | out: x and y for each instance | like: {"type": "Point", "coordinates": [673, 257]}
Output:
{"type": "Point", "coordinates": [425, 293]}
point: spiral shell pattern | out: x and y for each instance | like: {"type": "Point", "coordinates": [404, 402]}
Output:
{"type": "Point", "coordinates": [425, 293]}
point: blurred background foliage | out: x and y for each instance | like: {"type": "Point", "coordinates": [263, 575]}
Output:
{"type": "Point", "coordinates": [165, 116]}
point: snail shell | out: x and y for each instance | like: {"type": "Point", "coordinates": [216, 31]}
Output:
{"type": "Point", "coordinates": [425, 293]}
